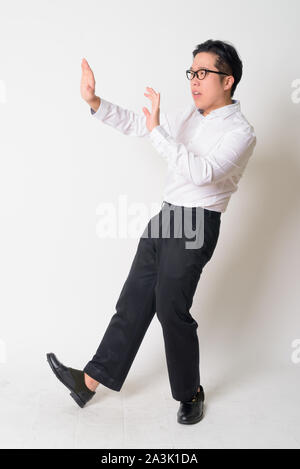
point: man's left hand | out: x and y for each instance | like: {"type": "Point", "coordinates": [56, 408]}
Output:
{"type": "Point", "coordinates": [152, 119]}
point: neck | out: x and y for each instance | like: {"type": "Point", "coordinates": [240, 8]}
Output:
{"type": "Point", "coordinates": [211, 108]}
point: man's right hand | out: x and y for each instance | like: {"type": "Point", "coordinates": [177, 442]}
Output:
{"type": "Point", "coordinates": [87, 86]}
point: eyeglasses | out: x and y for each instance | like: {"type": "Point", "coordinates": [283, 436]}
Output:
{"type": "Point", "coordinates": [190, 73]}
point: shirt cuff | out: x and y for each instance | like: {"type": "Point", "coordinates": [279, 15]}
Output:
{"type": "Point", "coordinates": [158, 134]}
{"type": "Point", "coordinates": [101, 111]}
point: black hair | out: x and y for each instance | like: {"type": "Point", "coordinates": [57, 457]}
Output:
{"type": "Point", "coordinates": [227, 60]}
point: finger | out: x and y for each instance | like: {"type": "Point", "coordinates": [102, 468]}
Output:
{"type": "Point", "coordinates": [146, 111]}
{"type": "Point", "coordinates": [152, 90]}
{"type": "Point", "coordinates": [86, 68]}
{"type": "Point", "coordinates": [84, 63]}
{"type": "Point", "coordinates": [152, 98]}
{"type": "Point", "coordinates": [150, 95]}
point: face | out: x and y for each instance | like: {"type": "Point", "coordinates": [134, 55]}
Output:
{"type": "Point", "coordinates": [214, 92]}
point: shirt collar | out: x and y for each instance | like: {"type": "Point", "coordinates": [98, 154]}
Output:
{"type": "Point", "coordinates": [223, 111]}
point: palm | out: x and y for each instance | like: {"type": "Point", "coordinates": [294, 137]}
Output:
{"type": "Point", "coordinates": [87, 83]}
{"type": "Point", "coordinates": [152, 118]}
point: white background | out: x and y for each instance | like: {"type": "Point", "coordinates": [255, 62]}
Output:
{"type": "Point", "coordinates": [60, 281]}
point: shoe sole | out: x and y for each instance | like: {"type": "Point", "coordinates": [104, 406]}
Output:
{"type": "Point", "coordinates": [72, 394]}
{"type": "Point", "coordinates": [190, 423]}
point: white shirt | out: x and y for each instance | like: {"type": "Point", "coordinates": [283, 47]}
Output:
{"type": "Point", "coordinates": [206, 155]}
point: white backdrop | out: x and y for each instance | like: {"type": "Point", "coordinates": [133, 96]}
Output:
{"type": "Point", "coordinates": [60, 280]}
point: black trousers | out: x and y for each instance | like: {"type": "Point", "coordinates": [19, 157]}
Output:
{"type": "Point", "coordinates": [163, 278]}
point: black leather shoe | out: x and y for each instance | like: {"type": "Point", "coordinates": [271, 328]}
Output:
{"type": "Point", "coordinates": [191, 411]}
{"type": "Point", "coordinates": [73, 379]}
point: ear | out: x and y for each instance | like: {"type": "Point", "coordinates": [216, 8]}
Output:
{"type": "Point", "coordinates": [229, 82]}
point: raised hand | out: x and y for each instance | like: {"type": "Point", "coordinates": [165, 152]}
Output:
{"type": "Point", "coordinates": [152, 119]}
{"type": "Point", "coordinates": [87, 85]}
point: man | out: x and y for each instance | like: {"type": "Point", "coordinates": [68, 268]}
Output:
{"type": "Point", "coordinates": [206, 146]}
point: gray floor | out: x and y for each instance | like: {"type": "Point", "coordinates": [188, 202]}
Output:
{"type": "Point", "coordinates": [262, 411]}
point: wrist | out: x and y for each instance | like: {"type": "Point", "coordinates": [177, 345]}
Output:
{"type": "Point", "coordinates": [94, 103]}
{"type": "Point", "coordinates": [154, 126]}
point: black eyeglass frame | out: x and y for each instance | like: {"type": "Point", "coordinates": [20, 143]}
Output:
{"type": "Point", "coordinates": [206, 71]}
